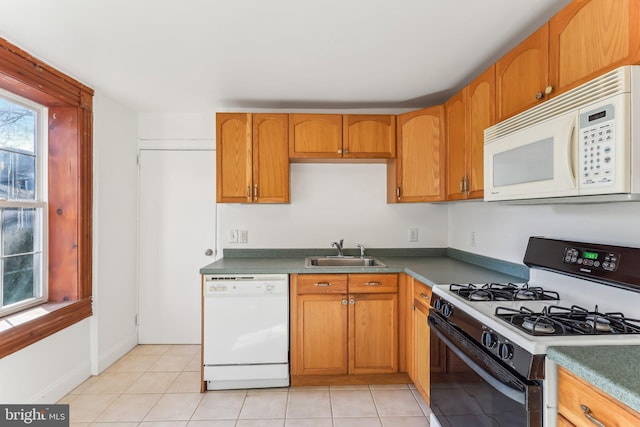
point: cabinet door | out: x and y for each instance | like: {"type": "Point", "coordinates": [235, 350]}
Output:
{"type": "Point", "coordinates": [417, 175]}
{"type": "Point", "coordinates": [456, 131]}
{"type": "Point", "coordinates": [481, 113]}
{"type": "Point", "coordinates": [590, 37]}
{"type": "Point", "coordinates": [233, 158]}
{"type": "Point", "coordinates": [270, 158]}
{"type": "Point", "coordinates": [369, 136]}
{"type": "Point", "coordinates": [422, 349]}
{"type": "Point", "coordinates": [315, 136]}
{"type": "Point", "coordinates": [522, 75]}
{"type": "Point", "coordinates": [373, 333]}
{"type": "Point", "coordinates": [322, 334]}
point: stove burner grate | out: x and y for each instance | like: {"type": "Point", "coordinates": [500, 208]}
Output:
{"type": "Point", "coordinates": [574, 320]}
{"type": "Point", "coordinates": [502, 292]}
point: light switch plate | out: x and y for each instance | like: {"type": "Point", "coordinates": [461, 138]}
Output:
{"type": "Point", "coordinates": [243, 236]}
{"type": "Point", "coordinates": [413, 234]}
{"type": "Point", "coordinates": [233, 236]}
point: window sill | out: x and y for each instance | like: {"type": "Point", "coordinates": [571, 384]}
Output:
{"type": "Point", "coordinates": [26, 327]}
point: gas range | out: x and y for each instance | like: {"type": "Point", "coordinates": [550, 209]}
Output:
{"type": "Point", "coordinates": [578, 294]}
{"type": "Point", "coordinates": [565, 276]}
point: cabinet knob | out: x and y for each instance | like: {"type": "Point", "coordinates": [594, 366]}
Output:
{"type": "Point", "coordinates": [208, 252]}
{"type": "Point", "coordinates": [548, 89]}
{"type": "Point", "coordinates": [352, 301]}
{"type": "Point", "coordinates": [539, 95]}
{"type": "Point", "coordinates": [344, 301]}
{"type": "Point", "coordinates": [339, 150]}
{"type": "Point", "coordinates": [346, 151]}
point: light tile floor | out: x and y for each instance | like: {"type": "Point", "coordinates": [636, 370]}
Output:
{"type": "Point", "coordinates": [158, 386]}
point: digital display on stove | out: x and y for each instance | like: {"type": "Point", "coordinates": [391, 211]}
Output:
{"type": "Point", "coordinates": [589, 255]}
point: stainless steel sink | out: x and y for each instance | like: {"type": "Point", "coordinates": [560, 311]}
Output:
{"type": "Point", "coordinates": [342, 261]}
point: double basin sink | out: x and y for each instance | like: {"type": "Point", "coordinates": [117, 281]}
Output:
{"type": "Point", "coordinates": [342, 261]}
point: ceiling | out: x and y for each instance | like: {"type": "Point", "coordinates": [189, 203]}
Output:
{"type": "Point", "coordinates": [213, 55]}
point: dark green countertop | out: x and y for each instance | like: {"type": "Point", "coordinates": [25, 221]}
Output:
{"type": "Point", "coordinates": [431, 266]}
{"type": "Point", "coordinates": [612, 369]}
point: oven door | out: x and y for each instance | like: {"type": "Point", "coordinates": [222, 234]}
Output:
{"type": "Point", "coordinates": [469, 387]}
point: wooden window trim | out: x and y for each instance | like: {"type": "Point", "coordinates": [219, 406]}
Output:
{"type": "Point", "coordinates": [70, 195]}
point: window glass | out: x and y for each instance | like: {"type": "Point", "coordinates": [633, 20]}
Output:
{"type": "Point", "coordinates": [21, 212]}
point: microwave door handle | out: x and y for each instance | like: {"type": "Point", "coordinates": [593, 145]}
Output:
{"type": "Point", "coordinates": [571, 147]}
{"type": "Point", "coordinates": [507, 391]}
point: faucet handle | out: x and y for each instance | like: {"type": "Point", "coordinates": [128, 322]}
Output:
{"type": "Point", "coordinates": [361, 246]}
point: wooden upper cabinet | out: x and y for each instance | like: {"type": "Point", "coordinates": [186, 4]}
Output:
{"type": "Point", "coordinates": [456, 136]}
{"type": "Point", "coordinates": [234, 157]}
{"type": "Point", "coordinates": [481, 114]}
{"type": "Point", "coordinates": [417, 173]}
{"type": "Point", "coordinates": [522, 75]}
{"type": "Point", "coordinates": [315, 136]}
{"type": "Point", "coordinates": [369, 136]}
{"type": "Point", "coordinates": [270, 158]}
{"type": "Point", "coordinates": [590, 37]}
{"type": "Point", "coordinates": [252, 158]}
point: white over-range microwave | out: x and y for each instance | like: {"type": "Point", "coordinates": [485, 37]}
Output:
{"type": "Point", "coordinates": [582, 146]}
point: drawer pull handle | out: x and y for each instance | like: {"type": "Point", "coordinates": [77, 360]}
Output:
{"type": "Point", "coordinates": [587, 413]}
{"type": "Point", "coordinates": [373, 283]}
{"type": "Point", "coordinates": [322, 284]}
{"type": "Point", "coordinates": [425, 296]}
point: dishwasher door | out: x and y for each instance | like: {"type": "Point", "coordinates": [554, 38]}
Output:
{"type": "Point", "coordinates": [245, 330]}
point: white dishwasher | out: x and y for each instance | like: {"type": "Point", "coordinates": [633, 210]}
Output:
{"type": "Point", "coordinates": [246, 331]}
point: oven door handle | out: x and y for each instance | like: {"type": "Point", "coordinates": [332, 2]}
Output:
{"type": "Point", "coordinates": [512, 394]}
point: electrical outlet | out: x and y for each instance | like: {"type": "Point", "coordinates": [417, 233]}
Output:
{"type": "Point", "coordinates": [473, 239]}
{"type": "Point", "coordinates": [233, 236]}
{"type": "Point", "coordinates": [243, 236]}
{"type": "Point", "coordinates": [413, 234]}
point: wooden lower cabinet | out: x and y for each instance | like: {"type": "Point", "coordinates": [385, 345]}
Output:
{"type": "Point", "coordinates": [373, 333]}
{"type": "Point", "coordinates": [344, 325]}
{"type": "Point", "coordinates": [574, 393]}
{"type": "Point", "coordinates": [322, 334]}
{"type": "Point", "coordinates": [423, 350]}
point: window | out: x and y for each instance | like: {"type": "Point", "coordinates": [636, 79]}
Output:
{"type": "Point", "coordinates": [45, 201]}
{"type": "Point", "coordinates": [22, 204]}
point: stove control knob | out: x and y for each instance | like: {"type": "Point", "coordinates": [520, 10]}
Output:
{"type": "Point", "coordinates": [505, 351]}
{"type": "Point", "coordinates": [437, 304]}
{"type": "Point", "coordinates": [447, 310]}
{"type": "Point", "coordinates": [489, 339]}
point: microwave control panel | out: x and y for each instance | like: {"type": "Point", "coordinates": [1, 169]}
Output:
{"type": "Point", "coordinates": [597, 147]}
{"type": "Point", "coordinates": [592, 258]}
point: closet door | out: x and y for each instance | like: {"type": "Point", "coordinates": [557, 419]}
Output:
{"type": "Point", "coordinates": [177, 227]}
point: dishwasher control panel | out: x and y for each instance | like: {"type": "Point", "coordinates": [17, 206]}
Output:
{"type": "Point", "coordinates": [245, 285]}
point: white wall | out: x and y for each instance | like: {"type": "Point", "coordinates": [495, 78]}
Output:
{"type": "Point", "coordinates": [330, 202]}
{"type": "Point", "coordinates": [114, 331]}
{"type": "Point", "coordinates": [502, 231]}
{"type": "Point", "coordinates": [47, 370]}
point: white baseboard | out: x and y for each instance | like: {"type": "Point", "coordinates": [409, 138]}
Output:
{"type": "Point", "coordinates": [109, 356]}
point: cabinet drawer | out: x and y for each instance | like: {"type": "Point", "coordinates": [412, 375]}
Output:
{"type": "Point", "coordinates": [373, 283]}
{"type": "Point", "coordinates": [322, 283]}
{"type": "Point", "coordinates": [574, 392]}
{"type": "Point", "coordinates": [421, 294]}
